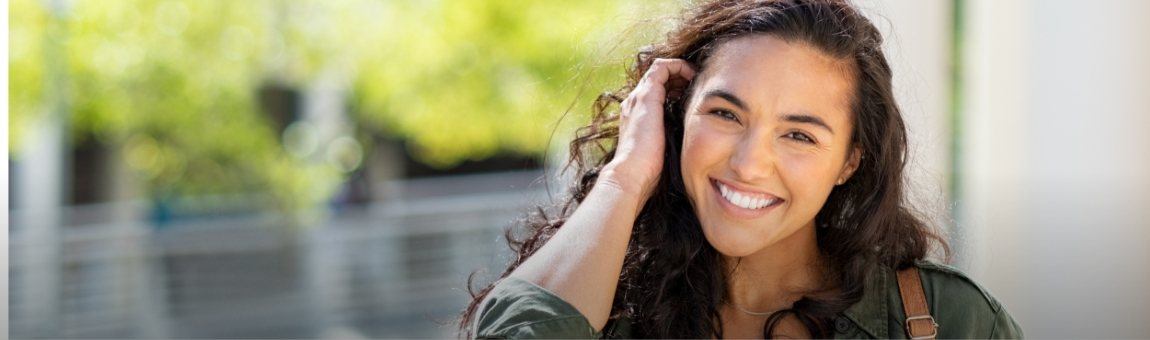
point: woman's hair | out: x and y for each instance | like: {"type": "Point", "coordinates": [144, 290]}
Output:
{"type": "Point", "coordinates": [673, 283]}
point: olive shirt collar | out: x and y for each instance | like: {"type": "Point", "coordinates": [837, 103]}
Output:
{"type": "Point", "coordinates": [871, 312]}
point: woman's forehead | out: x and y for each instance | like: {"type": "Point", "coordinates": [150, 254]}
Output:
{"type": "Point", "coordinates": [771, 74]}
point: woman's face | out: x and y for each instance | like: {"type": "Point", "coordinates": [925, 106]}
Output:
{"type": "Point", "coordinates": [767, 136]}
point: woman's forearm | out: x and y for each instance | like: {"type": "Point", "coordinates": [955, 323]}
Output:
{"type": "Point", "coordinates": [582, 261]}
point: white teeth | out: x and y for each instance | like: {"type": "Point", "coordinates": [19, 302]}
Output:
{"type": "Point", "coordinates": [744, 201]}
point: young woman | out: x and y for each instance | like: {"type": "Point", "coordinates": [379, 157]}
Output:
{"type": "Point", "coordinates": [749, 183]}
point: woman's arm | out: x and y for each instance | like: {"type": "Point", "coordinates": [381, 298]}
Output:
{"type": "Point", "coordinates": [581, 263]}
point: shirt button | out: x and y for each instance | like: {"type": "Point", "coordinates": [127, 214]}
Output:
{"type": "Point", "coordinates": [842, 325]}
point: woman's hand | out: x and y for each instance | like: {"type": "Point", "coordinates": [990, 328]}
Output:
{"type": "Point", "coordinates": [581, 263]}
{"type": "Point", "coordinates": [638, 157]}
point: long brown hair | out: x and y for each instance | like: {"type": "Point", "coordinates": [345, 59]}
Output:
{"type": "Point", "coordinates": [673, 282]}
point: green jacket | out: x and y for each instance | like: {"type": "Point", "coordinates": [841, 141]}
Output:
{"type": "Point", "coordinates": [520, 309]}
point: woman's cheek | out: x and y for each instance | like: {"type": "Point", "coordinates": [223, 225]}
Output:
{"type": "Point", "coordinates": [807, 177]}
{"type": "Point", "coordinates": [703, 151]}
{"type": "Point", "coordinates": [715, 147]}
{"type": "Point", "coordinates": [700, 141]}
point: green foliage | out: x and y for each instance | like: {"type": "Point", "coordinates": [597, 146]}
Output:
{"type": "Point", "coordinates": [27, 23]}
{"type": "Point", "coordinates": [470, 78]}
{"type": "Point", "coordinates": [174, 82]}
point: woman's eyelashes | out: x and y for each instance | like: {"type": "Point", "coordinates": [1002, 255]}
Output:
{"type": "Point", "coordinates": [724, 114]}
{"type": "Point", "coordinates": [797, 136]}
{"type": "Point", "coordinates": [800, 137]}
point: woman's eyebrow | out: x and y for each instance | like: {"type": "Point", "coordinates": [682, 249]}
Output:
{"type": "Point", "coordinates": [801, 117]}
{"type": "Point", "coordinates": [806, 118]}
{"type": "Point", "coordinates": [728, 96]}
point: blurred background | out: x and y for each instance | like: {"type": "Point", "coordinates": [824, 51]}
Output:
{"type": "Point", "coordinates": [337, 169]}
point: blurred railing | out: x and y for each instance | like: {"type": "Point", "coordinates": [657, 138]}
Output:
{"type": "Point", "coordinates": [390, 269]}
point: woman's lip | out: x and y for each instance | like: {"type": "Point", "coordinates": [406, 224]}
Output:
{"type": "Point", "coordinates": [746, 190]}
{"type": "Point", "coordinates": [740, 212]}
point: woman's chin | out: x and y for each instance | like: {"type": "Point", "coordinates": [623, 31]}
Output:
{"type": "Point", "coordinates": [733, 242]}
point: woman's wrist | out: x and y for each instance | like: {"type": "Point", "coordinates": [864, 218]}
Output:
{"type": "Point", "coordinates": [629, 187]}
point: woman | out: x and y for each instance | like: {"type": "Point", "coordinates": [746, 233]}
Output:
{"type": "Point", "coordinates": [750, 184]}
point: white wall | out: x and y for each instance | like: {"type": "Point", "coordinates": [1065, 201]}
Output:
{"type": "Point", "coordinates": [1056, 163]}
{"type": "Point", "coordinates": [1053, 154]}
{"type": "Point", "coordinates": [918, 46]}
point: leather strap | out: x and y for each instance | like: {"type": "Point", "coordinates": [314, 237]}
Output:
{"type": "Point", "coordinates": [919, 323]}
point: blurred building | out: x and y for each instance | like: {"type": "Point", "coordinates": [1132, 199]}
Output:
{"type": "Point", "coordinates": [387, 256]}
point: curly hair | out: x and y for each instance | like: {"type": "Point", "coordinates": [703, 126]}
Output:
{"type": "Point", "coordinates": [673, 281]}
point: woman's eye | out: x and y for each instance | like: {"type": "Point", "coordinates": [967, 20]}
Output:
{"type": "Point", "coordinates": [728, 115]}
{"type": "Point", "coordinates": [799, 136]}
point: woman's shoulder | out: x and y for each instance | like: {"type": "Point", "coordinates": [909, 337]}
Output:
{"type": "Point", "coordinates": [519, 309]}
{"type": "Point", "coordinates": [962, 307]}
{"type": "Point", "coordinates": [951, 284]}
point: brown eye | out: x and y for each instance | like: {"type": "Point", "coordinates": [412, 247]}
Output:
{"type": "Point", "coordinates": [801, 137]}
{"type": "Point", "coordinates": [724, 114]}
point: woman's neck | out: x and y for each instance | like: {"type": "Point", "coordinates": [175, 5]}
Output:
{"type": "Point", "coordinates": [775, 277]}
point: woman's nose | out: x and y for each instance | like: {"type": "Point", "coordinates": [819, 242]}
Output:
{"type": "Point", "coordinates": [754, 159]}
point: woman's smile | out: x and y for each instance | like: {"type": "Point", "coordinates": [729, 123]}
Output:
{"type": "Point", "coordinates": [741, 203]}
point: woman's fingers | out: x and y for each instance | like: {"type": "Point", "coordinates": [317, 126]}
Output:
{"type": "Point", "coordinates": [664, 76]}
{"type": "Point", "coordinates": [639, 153]}
{"type": "Point", "coordinates": [662, 70]}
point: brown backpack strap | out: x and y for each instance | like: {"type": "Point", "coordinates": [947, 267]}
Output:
{"type": "Point", "coordinates": [919, 323]}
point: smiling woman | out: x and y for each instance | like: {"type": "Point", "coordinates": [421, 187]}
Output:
{"type": "Point", "coordinates": [752, 186]}
{"type": "Point", "coordinates": [760, 134]}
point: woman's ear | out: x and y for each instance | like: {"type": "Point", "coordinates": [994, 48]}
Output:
{"type": "Point", "coordinates": [851, 165]}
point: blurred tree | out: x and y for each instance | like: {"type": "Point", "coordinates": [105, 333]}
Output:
{"type": "Point", "coordinates": [26, 31]}
{"type": "Point", "coordinates": [467, 79]}
{"type": "Point", "coordinates": [174, 83]}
